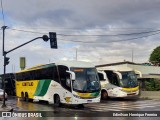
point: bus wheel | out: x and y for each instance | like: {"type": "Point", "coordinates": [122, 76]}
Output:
{"type": "Point", "coordinates": [80, 106]}
{"type": "Point", "coordinates": [26, 97]}
{"type": "Point", "coordinates": [22, 96]}
{"type": "Point", "coordinates": [104, 95]}
{"type": "Point", "coordinates": [57, 102]}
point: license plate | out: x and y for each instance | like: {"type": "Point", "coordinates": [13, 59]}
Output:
{"type": "Point", "coordinates": [131, 94]}
{"type": "Point", "coordinates": [89, 101]}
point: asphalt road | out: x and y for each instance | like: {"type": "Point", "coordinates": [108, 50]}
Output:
{"type": "Point", "coordinates": [95, 111]}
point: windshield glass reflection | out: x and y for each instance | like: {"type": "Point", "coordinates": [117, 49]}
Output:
{"type": "Point", "coordinates": [86, 80]}
{"type": "Point", "coordinates": [129, 79]}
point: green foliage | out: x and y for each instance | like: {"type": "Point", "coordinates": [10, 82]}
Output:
{"type": "Point", "coordinates": [155, 56]}
{"type": "Point", "coordinates": [152, 85]}
{"type": "Point", "coordinates": [157, 85]}
{"type": "Point", "coordinates": [149, 85]}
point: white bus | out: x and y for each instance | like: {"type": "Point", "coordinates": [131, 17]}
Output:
{"type": "Point", "coordinates": [118, 82]}
{"type": "Point", "coordinates": [69, 82]}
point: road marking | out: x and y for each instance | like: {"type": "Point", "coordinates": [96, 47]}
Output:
{"type": "Point", "coordinates": [120, 106]}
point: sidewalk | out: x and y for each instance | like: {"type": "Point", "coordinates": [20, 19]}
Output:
{"type": "Point", "coordinates": [8, 108]}
{"type": "Point", "coordinates": [150, 94]}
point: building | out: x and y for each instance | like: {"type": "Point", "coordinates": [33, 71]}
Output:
{"type": "Point", "coordinates": [142, 70]}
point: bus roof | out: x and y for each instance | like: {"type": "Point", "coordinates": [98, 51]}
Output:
{"type": "Point", "coordinates": [80, 64]}
{"type": "Point", "coordinates": [37, 67]}
{"type": "Point", "coordinates": [75, 64]}
{"type": "Point", "coordinates": [116, 68]}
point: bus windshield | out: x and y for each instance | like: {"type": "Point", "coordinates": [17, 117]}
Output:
{"type": "Point", "coordinates": [86, 80]}
{"type": "Point", "coordinates": [128, 80]}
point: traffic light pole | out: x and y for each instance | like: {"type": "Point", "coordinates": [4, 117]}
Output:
{"type": "Point", "coordinates": [4, 85]}
{"type": "Point", "coordinates": [45, 38]}
{"type": "Point", "coordinates": [4, 68]}
{"type": "Point", "coordinates": [53, 43]}
{"type": "Point", "coordinates": [6, 52]}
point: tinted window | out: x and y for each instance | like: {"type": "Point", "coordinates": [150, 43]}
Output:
{"type": "Point", "coordinates": [112, 77]}
{"type": "Point", "coordinates": [64, 76]}
{"type": "Point", "coordinates": [101, 77]}
{"type": "Point", "coordinates": [45, 73]}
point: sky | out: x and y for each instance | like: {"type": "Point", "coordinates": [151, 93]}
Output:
{"type": "Point", "coordinates": [101, 31]}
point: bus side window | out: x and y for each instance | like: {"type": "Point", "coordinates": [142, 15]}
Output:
{"type": "Point", "coordinates": [113, 78]}
{"type": "Point", "coordinates": [101, 77]}
{"type": "Point", "coordinates": [55, 74]}
{"type": "Point", "coordinates": [64, 76]}
{"type": "Point", "coordinates": [109, 75]}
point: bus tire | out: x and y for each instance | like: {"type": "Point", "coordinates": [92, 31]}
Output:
{"type": "Point", "coordinates": [26, 97]}
{"type": "Point", "coordinates": [104, 95]}
{"type": "Point", "coordinates": [57, 102]}
{"type": "Point", "coordinates": [22, 96]}
{"type": "Point", "coordinates": [80, 106]}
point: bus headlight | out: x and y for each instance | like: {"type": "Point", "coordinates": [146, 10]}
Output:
{"type": "Point", "coordinates": [76, 96]}
{"type": "Point", "coordinates": [103, 86]}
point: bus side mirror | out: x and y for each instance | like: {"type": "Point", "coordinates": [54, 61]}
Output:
{"type": "Point", "coordinates": [119, 74]}
{"type": "Point", "coordinates": [138, 73]}
{"type": "Point", "coordinates": [73, 76]}
{"type": "Point", "coordinates": [102, 75]}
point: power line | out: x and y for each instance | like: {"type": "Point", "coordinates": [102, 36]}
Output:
{"type": "Point", "coordinates": [111, 41]}
{"type": "Point", "coordinates": [27, 31]}
{"type": "Point", "coordinates": [2, 13]}
{"type": "Point", "coordinates": [82, 35]}
{"type": "Point", "coordinates": [88, 28]}
{"type": "Point", "coordinates": [113, 34]}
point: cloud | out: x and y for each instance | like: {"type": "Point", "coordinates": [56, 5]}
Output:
{"type": "Point", "coordinates": [80, 17]}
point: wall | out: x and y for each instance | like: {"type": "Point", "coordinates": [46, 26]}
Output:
{"type": "Point", "coordinates": [150, 94]}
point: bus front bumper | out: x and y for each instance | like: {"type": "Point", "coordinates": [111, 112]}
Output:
{"type": "Point", "coordinates": [84, 101]}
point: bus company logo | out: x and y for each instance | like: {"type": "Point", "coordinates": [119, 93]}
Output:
{"type": "Point", "coordinates": [21, 114]}
{"type": "Point", "coordinates": [27, 84]}
{"type": "Point", "coordinates": [68, 99]}
{"type": "Point", "coordinates": [6, 114]}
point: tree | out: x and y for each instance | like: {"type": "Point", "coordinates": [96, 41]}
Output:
{"type": "Point", "coordinates": [155, 56]}
{"type": "Point", "coordinates": [150, 85]}
{"type": "Point", "coordinates": [157, 85]}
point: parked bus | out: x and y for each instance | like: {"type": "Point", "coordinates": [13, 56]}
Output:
{"type": "Point", "coordinates": [118, 82]}
{"type": "Point", "coordinates": [9, 83]}
{"type": "Point", "coordinates": [69, 82]}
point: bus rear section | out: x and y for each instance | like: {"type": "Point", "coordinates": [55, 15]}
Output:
{"type": "Point", "coordinates": [118, 82]}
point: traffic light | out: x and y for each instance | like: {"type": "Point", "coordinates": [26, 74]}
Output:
{"type": "Point", "coordinates": [6, 60]}
{"type": "Point", "coordinates": [53, 40]}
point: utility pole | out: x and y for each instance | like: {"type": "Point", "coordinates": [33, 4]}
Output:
{"type": "Point", "coordinates": [4, 67]}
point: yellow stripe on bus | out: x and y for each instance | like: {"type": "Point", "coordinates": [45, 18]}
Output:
{"type": "Point", "coordinates": [84, 94]}
{"type": "Point", "coordinates": [32, 68]}
{"type": "Point", "coordinates": [130, 89]}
